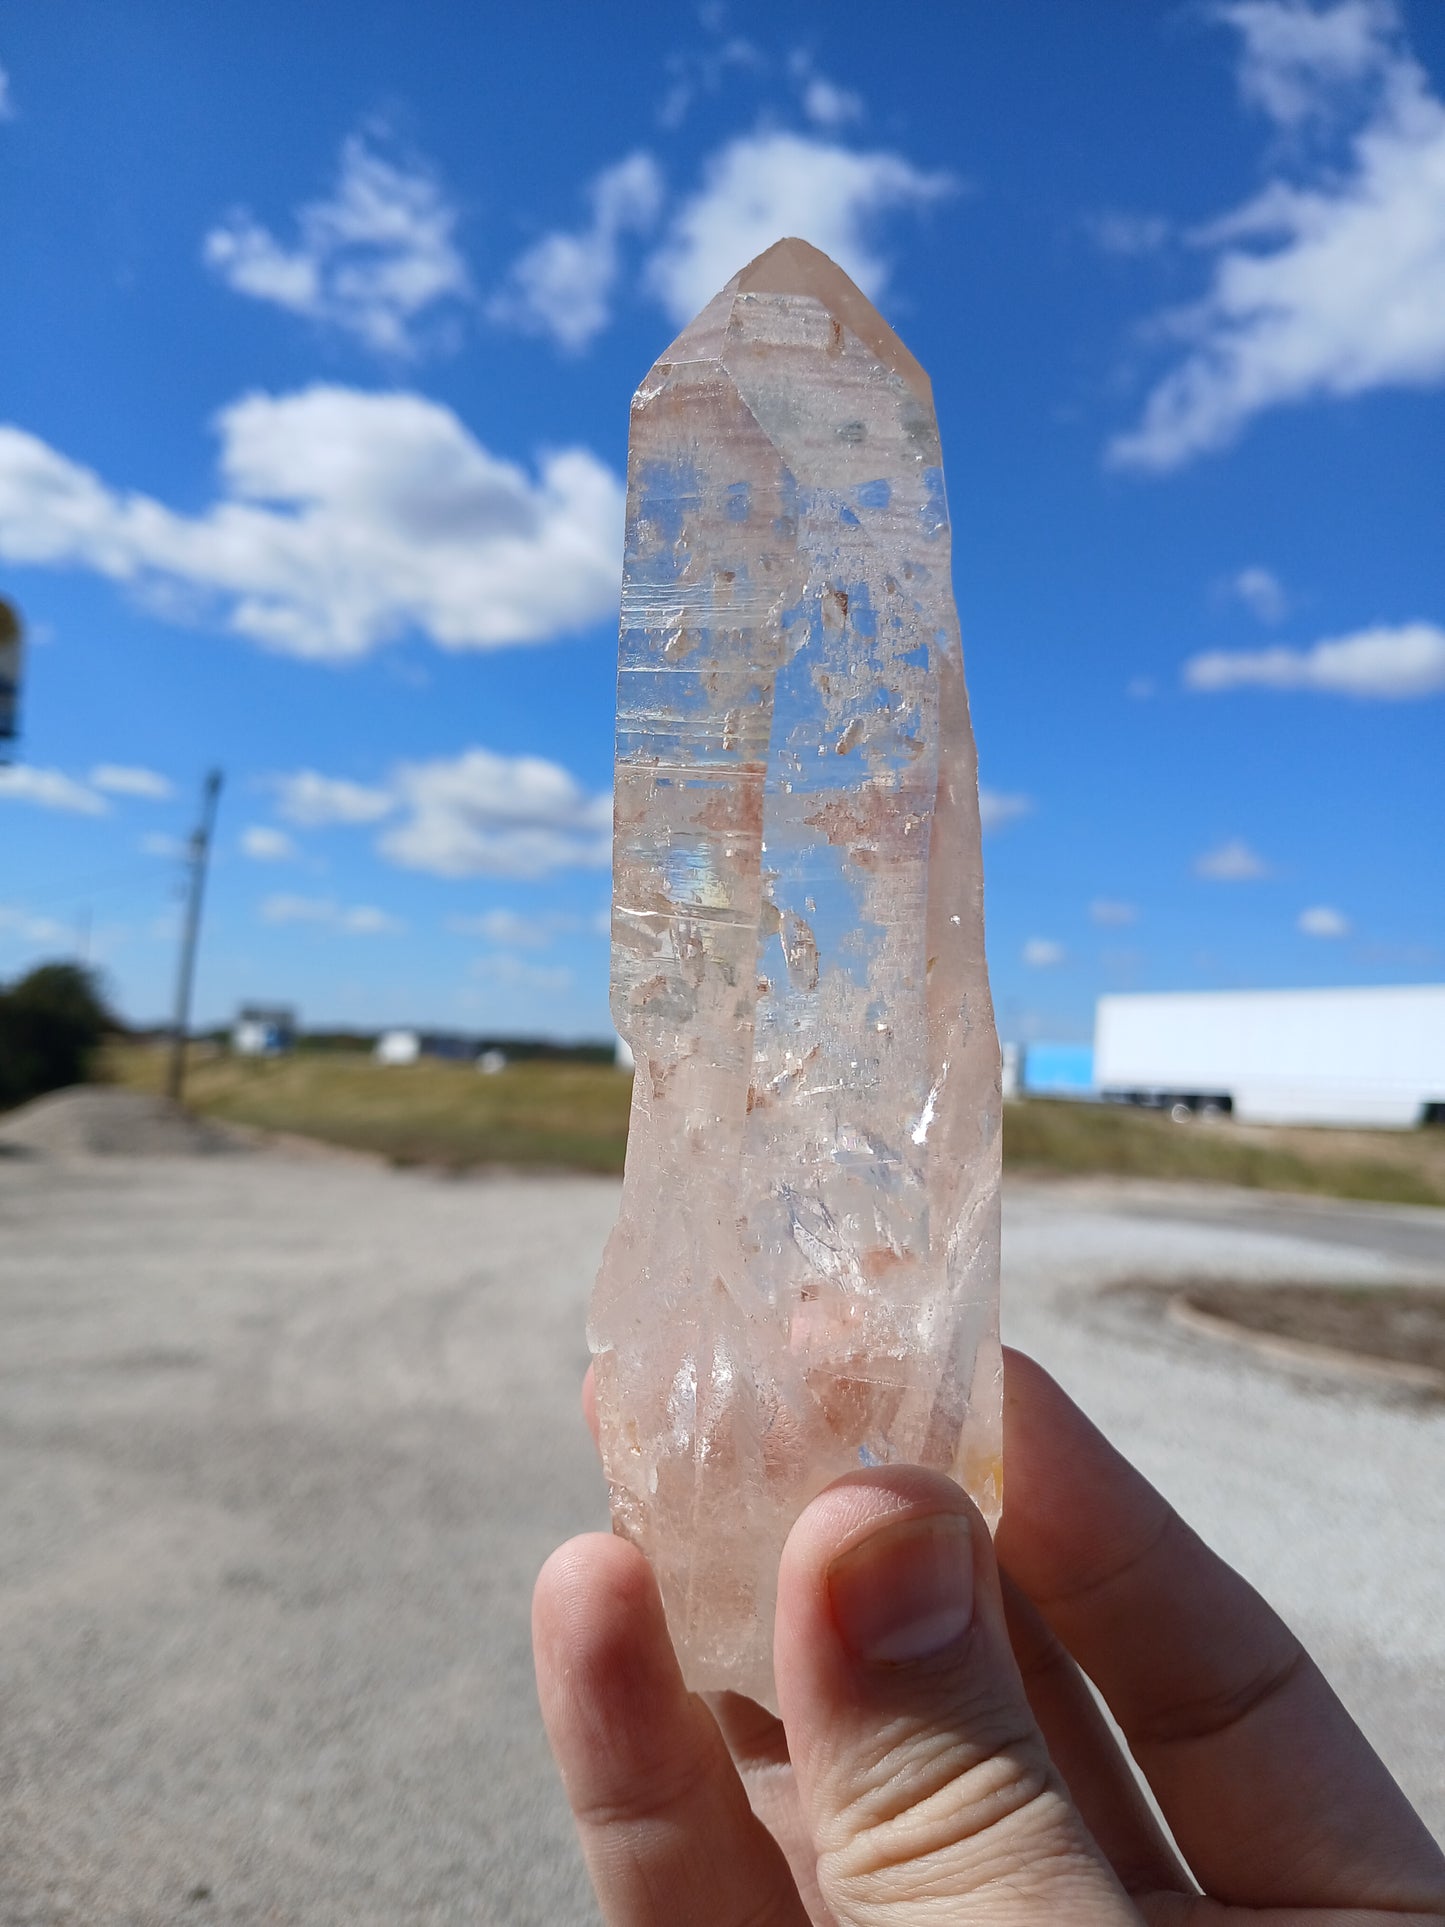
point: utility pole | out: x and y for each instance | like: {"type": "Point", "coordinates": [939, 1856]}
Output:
{"type": "Point", "coordinates": [199, 850]}
{"type": "Point", "coordinates": [12, 656]}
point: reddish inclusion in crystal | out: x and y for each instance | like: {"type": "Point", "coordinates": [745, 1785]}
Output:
{"type": "Point", "coordinates": [804, 1273]}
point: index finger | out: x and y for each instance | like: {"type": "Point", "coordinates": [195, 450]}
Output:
{"type": "Point", "coordinates": [1272, 1792]}
{"type": "Point", "coordinates": [663, 1819]}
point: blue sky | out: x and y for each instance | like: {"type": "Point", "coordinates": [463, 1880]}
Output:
{"type": "Point", "coordinates": [319, 331]}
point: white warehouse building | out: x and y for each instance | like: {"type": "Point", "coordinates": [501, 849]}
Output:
{"type": "Point", "coordinates": [1370, 1056]}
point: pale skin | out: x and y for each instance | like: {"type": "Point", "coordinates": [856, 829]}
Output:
{"type": "Point", "coordinates": [940, 1759]}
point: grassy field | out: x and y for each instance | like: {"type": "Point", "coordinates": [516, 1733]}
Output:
{"type": "Point", "coordinates": [572, 1115]}
{"type": "Point", "coordinates": [1389, 1167]}
{"type": "Point", "coordinates": [575, 1115]}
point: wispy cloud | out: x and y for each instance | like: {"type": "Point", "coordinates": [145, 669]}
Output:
{"type": "Point", "coordinates": [1329, 284]}
{"type": "Point", "coordinates": [1042, 953]}
{"type": "Point", "coordinates": [354, 920]}
{"type": "Point", "coordinates": [1111, 913]}
{"type": "Point", "coordinates": [49, 789]}
{"type": "Point", "coordinates": [371, 259]}
{"type": "Point", "coordinates": [521, 973]}
{"type": "Point", "coordinates": [1295, 55]}
{"type": "Point", "coordinates": [1115, 231]}
{"type": "Point", "coordinates": [1381, 664]}
{"type": "Point", "coordinates": [263, 844]}
{"type": "Point", "coordinates": [1232, 862]}
{"type": "Point", "coordinates": [514, 928]}
{"type": "Point", "coordinates": [1322, 920]}
{"type": "Point", "coordinates": [345, 519]}
{"type": "Point", "coordinates": [828, 105]}
{"type": "Point", "coordinates": [122, 779]}
{"type": "Point", "coordinates": [7, 104]}
{"type": "Point", "coordinates": [702, 71]}
{"type": "Point", "coordinates": [1262, 593]}
{"type": "Point", "coordinates": [308, 798]}
{"type": "Point", "coordinates": [562, 286]}
{"type": "Point", "coordinates": [25, 926]}
{"type": "Point", "coordinates": [825, 103]}
{"type": "Point", "coordinates": [995, 808]}
{"type": "Point", "coordinates": [763, 186]}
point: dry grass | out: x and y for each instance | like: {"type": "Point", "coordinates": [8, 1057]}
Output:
{"type": "Point", "coordinates": [1390, 1167]}
{"type": "Point", "coordinates": [575, 1116]}
{"type": "Point", "coordinates": [557, 1114]}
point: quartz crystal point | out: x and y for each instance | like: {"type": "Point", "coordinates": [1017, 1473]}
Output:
{"type": "Point", "coordinates": [804, 1275]}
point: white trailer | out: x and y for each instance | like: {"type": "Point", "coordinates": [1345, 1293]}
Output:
{"type": "Point", "coordinates": [1373, 1056]}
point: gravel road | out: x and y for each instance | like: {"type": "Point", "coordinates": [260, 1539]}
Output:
{"type": "Point", "coordinates": [284, 1440]}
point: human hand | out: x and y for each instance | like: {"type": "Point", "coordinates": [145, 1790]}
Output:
{"type": "Point", "coordinates": [940, 1758]}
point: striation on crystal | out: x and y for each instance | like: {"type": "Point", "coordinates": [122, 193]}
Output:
{"type": "Point", "coordinates": [803, 1278]}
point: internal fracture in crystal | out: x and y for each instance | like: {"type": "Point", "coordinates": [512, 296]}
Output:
{"type": "Point", "coordinates": [804, 1275]}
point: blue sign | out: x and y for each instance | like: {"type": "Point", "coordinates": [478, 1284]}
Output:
{"type": "Point", "coordinates": [1058, 1070]}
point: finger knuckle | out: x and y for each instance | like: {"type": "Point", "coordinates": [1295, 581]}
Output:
{"type": "Point", "coordinates": [933, 1807]}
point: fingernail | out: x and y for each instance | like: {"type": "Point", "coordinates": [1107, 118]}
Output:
{"type": "Point", "coordinates": [906, 1591]}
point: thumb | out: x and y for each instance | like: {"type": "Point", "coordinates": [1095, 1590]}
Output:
{"type": "Point", "coordinates": [923, 1776]}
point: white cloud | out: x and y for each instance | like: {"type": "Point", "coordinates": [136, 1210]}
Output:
{"type": "Point", "coordinates": [370, 260]}
{"type": "Point", "coordinates": [1140, 689]}
{"type": "Point", "coordinates": [121, 779]}
{"type": "Point", "coordinates": [358, 920]}
{"type": "Point", "coordinates": [480, 814]}
{"type": "Point", "coordinates": [7, 105]}
{"type": "Point", "coordinates": [1323, 921]}
{"type": "Point", "coordinates": [1042, 953]}
{"type": "Point", "coordinates": [1262, 593]}
{"type": "Point", "coordinates": [28, 928]}
{"type": "Point", "coordinates": [764, 186]}
{"type": "Point", "coordinates": [511, 927]}
{"type": "Point", "coordinates": [475, 814]}
{"type": "Point", "coordinates": [162, 844]}
{"type": "Point", "coordinates": [365, 920]}
{"type": "Point", "coordinates": [824, 102]}
{"type": "Point", "coordinates": [995, 809]}
{"type": "Point", "coordinates": [828, 105]}
{"type": "Point", "coordinates": [264, 845]}
{"type": "Point", "coordinates": [1111, 913]}
{"type": "Point", "coordinates": [1388, 665]}
{"type": "Point", "coordinates": [520, 973]}
{"type": "Point", "coordinates": [346, 519]}
{"type": "Point", "coordinates": [49, 789]}
{"type": "Point", "coordinates": [704, 72]}
{"type": "Point", "coordinates": [292, 909]}
{"type": "Point", "coordinates": [1325, 286]}
{"type": "Point", "coordinates": [1295, 53]}
{"type": "Point", "coordinates": [1116, 231]}
{"type": "Point", "coordinates": [313, 800]}
{"type": "Point", "coordinates": [1232, 862]}
{"type": "Point", "coordinates": [563, 285]}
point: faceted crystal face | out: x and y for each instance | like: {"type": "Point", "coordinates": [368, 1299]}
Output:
{"type": "Point", "coordinates": [804, 1275]}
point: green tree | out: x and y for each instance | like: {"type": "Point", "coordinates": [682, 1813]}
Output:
{"type": "Point", "coordinates": [52, 1021]}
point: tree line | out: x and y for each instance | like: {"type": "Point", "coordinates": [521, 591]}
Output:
{"type": "Point", "coordinates": [52, 1022]}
